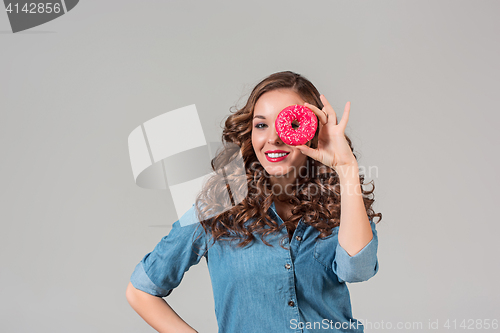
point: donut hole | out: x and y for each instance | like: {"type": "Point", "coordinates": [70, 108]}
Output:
{"type": "Point", "coordinates": [295, 124]}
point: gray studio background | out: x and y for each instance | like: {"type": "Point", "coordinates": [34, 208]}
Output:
{"type": "Point", "coordinates": [422, 77]}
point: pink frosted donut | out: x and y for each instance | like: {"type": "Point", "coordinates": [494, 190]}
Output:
{"type": "Point", "coordinates": [307, 125]}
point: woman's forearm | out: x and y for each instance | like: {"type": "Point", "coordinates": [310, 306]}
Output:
{"type": "Point", "coordinates": [156, 312]}
{"type": "Point", "coordinates": [354, 231]}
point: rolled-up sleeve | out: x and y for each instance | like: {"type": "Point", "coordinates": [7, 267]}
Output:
{"type": "Point", "coordinates": [161, 270]}
{"type": "Point", "coordinates": [360, 267]}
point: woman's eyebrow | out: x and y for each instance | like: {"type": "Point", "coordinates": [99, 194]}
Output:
{"type": "Point", "coordinates": [259, 116]}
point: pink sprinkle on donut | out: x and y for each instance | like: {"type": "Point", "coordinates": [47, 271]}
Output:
{"type": "Point", "coordinates": [307, 125]}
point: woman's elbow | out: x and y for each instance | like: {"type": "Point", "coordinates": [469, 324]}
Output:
{"type": "Point", "coordinates": [131, 293]}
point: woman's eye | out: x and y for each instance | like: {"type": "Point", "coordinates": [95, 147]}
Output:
{"type": "Point", "coordinates": [260, 125]}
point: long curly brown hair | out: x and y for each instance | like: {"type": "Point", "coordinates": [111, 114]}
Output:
{"type": "Point", "coordinates": [315, 196]}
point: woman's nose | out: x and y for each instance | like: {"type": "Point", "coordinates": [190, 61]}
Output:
{"type": "Point", "coordinates": [275, 139]}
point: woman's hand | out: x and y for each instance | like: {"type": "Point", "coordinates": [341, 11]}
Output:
{"type": "Point", "coordinates": [333, 149]}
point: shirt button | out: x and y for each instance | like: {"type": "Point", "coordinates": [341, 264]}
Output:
{"type": "Point", "coordinates": [298, 238]}
{"type": "Point", "coordinates": [291, 303]}
{"type": "Point", "coordinates": [287, 266]}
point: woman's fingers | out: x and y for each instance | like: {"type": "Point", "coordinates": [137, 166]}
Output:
{"type": "Point", "coordinates": [312, 153]}
{"type": "Point", "coordinates": [328, 115]}
{"type": "Point", "coordinates": [345, 115]}
{"type": "Point", "coordinates": [322, 115]}
{"type": "Point", "coordinates": [329, 109]}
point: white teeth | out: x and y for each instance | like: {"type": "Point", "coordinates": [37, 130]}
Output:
{"type": "Point", "coordinates": [276, 155]}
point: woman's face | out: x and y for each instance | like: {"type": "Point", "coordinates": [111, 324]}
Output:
{"type": "Point", "coordinates": [277, 158]}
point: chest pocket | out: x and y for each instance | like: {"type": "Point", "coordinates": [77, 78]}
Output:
{"type": "Point", "coordinates": [324, 249]}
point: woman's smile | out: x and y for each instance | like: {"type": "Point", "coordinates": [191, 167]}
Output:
{"type": "Point", "coordinates": [276, 155]}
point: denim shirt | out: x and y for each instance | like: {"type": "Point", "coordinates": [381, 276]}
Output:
{"type": "Point", "coordinates": [262, 289]}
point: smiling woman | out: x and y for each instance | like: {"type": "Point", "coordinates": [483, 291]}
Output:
{"type": "Point", "coordinates": [299, 186]}
{"type": "Point", "coordinates": [277, 158]}
{"type": "Point", "coordinates": [304, 229]}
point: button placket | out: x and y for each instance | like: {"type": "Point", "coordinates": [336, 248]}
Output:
{"type": "Point", "coordinates": [291, 292]}
{"type": "Point", "coordinates": [297, 238]}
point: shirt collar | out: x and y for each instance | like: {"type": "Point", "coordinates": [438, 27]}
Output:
{"type": "Point", "coordinates": [272, 212]}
